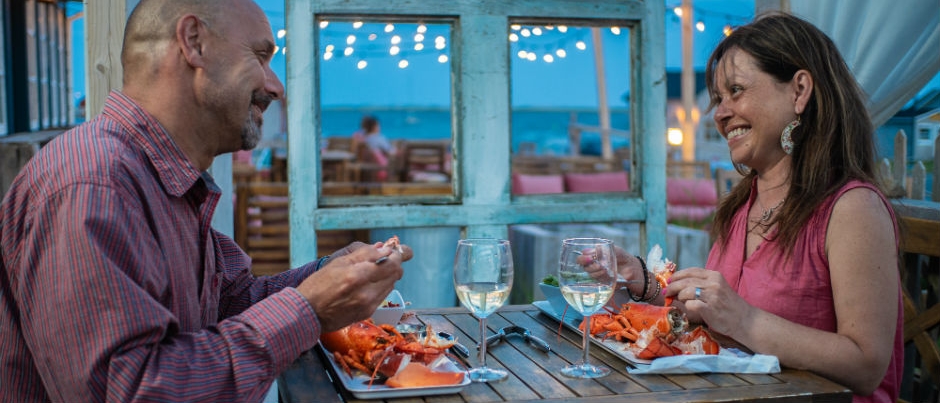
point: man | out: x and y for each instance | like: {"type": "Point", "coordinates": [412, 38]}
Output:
{"type": "Point", "coordinates": [113, 286]}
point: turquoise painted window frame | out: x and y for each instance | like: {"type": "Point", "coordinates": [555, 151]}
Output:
{"type": "Point", "coordinates": [482, 204]}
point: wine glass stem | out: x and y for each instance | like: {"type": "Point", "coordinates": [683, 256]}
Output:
{"type": "Point", "coordinates": [585, 343]}
{"type": "Point", "coordinates": [483, 342]}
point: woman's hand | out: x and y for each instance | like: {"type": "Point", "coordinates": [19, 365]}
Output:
{"type": "Point", "coordinates": [716, 304]}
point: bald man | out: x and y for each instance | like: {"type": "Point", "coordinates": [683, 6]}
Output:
{"type": "Point", "coordinates": [113, 285]}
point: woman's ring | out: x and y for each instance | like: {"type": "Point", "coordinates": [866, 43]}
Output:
{"type": "Point", "coordinates": [698, 292]}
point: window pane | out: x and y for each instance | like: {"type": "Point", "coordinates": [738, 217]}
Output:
{"type": "Point", "coordinates": [570, 108]}
{"type": "Point", "coordinates": [385, 98]}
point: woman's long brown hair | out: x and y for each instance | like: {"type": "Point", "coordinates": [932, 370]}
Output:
{"type": "Point", "coordinates": [833, 144]}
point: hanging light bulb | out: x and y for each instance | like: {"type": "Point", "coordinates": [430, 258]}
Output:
{"type": "Point", "coordinates": [700, 26]}
{"type": "Point", "coordinates": [562, 28]}
{"type": "Point", "coordinates": [348, 51]}
{"type": "Point", "coordinates": [561, 53]}
{"type": "Point", "coordinates": [422, 28]}
{"type": "Point", "coordinates": [548, 58]}
{"type": "Point", "coordinates": [357, 25]}
{"type": "Point", "coordinates": [372, 37]}
{"type": "Point", "coordinates": [419, 38]}
{"type": "Point", "coordinates": [324, 24]}
{"type": "Point", "coordinates": [329, 48]}
{"type": "Point", "coordinates": [678, 11]}
{"type": "Point", "coordinates": [580, 45]}
{"type": "Point", "coordinates": [419, 46]}
{"type": "Point", "coordinates": [351, 39]}
{"type": "Point", "coordinates": [396, 40]}
{"type": "Point", "coordinates": [615, 30]}
{"type": "Point", "coordinates": [523, 54]}
{"type": "Point", "coordinates": [281, 33]}
{"type": "Point", "coordinates": [394, 50]}
{"type": "Point", "coordinates": [513, 37]}
{"type": "Point", "coordinates": [402, 63]}
{"type": "Point", "coordinates": [389, 27]}
{"type": "Point", "coordinates": [362, 64]}
{"type": "Point", "coordinates": [442, 59]}
{"type": "Point", "coordinates": [327, 55]}
{"type": "Point", "coordinates": [536, 31]}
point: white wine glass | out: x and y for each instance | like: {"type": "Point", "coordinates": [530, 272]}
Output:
{"type": "Point", "coordinates": [587, 277]}
{"type": "Point", "coordinates": [483, 279]}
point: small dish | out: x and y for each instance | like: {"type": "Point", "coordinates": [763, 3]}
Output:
{"type": "Point", "coordinates": [557, 301]}
{"type": "Point", "coordinates": [390, 311]}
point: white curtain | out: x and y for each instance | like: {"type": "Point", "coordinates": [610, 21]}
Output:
{"type": "Point", "coordinates": [892, 46]}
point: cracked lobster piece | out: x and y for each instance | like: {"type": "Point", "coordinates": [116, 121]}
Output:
{"type": "Point", "coordinates": [661, 269]}
{"type": "Point", "coordinates": [382, 350]}
{"type": "Point", "coordinates": [392, 243]}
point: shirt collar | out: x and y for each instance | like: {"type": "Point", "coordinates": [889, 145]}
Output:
{"type": "Point", "coordinates": [174, 170]}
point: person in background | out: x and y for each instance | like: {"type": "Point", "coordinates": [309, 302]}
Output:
{"type": "Point", "coordinates": [113, 285]}
{"type": "Point", "coordinates": [371, 146]}
{"type": "Point", "coordinates": [805, 263]}
{"type": "Point", "coordinates": [370, 133]}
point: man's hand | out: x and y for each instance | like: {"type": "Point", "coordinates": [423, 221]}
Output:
{"type": "Point", "coordinates": [351, 285]}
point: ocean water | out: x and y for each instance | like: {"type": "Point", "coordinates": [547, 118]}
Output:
{"type": "Point", "coordinates": [547, 129]}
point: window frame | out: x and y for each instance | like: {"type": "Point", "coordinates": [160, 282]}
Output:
{"type": "Point", "coordinates": [482, 205]}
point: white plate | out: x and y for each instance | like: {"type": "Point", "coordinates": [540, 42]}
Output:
{"type": "Point", "coordinates": [358, 384]}
{"type": "Point", "coordinates": [614, 347]}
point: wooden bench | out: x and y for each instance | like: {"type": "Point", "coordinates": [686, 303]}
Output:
{"type": "Point", "coordinates": [262, 227]}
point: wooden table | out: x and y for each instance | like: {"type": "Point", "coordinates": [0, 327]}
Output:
{"type": "Point", "coordinates": [535, 376]}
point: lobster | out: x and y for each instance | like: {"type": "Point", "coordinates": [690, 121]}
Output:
{"type": "Point", "coordinates": [651, 331]}
{"type": "Point", "coordinates": [382, 350]}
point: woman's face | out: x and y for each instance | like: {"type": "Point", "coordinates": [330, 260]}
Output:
{"type": "Point", "coordinates": [753, 110]}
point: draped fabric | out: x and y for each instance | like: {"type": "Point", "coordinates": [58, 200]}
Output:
{"type": "Point", "coordinates": [891, 46]}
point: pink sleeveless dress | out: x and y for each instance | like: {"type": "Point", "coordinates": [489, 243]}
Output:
{"type": "Point", "coordinates": [799, 290]}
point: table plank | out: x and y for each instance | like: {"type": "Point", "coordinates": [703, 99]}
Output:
{"type": "Point", "coordinates": [535, 375]}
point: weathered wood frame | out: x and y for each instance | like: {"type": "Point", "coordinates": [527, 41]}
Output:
{"type": "Point", "coordinates": [482, 204]}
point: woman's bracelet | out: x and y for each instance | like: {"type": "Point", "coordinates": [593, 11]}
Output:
{"type": "Point", "coordinates": [646, 283]}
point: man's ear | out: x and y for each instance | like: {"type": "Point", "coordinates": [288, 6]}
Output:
{"type": "Point", "coordinates": [190, 36]}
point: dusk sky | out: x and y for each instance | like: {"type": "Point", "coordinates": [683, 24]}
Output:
{"type": "Point", "coordinates": [571, 78]}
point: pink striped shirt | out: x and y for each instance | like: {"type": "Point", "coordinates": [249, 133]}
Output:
{"type": "Point", "coordinates": [114, 287]}
{"type": "Point", "coordinates": [799, 289]}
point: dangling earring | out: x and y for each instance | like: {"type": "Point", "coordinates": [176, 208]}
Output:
{"type": "Point", "coordinates": [786, 139]}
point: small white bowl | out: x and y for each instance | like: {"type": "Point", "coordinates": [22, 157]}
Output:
{"type": "Point", "coordinates": [390, 315]}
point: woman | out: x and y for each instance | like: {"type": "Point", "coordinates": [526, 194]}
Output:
{"type": "Point", "coordinates": [805, 264]}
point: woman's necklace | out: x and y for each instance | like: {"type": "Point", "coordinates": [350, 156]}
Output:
{"type": "Point", "coordinates": [767, 213]}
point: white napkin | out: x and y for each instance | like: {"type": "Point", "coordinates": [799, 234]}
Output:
{"type": "Point", "coordinates": [727, 360]}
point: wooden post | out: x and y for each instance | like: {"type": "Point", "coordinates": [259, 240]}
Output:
{"type": "Point", "coordinates": [104, 35]}
{"type": "Point", "coordinates": [603, 110]}
{"type": "Point", "coordinates": [899, 167]}
{"type": "Point", "coordinates": [688, 84]}
{"type": "Point", "coordinates": [918, 181]}
{"type": "Point", "coordinates": [936, 170]}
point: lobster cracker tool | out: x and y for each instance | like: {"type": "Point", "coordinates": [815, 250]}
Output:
{"type": "Point", "coordinates": [520, 331]}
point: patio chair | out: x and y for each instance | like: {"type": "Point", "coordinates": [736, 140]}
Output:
{"type": "Point", "coordinates": [920, 248]}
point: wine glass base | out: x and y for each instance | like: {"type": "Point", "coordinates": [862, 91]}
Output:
{"type": "Point", "coordinates": [485, 374]}
{"type": "Point", "coordinates": [584, 371]}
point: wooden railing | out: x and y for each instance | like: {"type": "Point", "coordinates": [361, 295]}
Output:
{"type": "Point", "coordinates": [895, 174]}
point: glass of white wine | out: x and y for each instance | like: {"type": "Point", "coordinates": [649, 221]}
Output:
{"type": "Point", "coordinates": [483, 279]}
{"type": "Point", "coordinates": [587, 276]}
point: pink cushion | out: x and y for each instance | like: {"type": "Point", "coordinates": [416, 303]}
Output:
{"type": "Point", "coordinates": [696, 192]}
{"type": "Point", "coordinates": [597, 182]}
{"type": "Point", "coordinates": [537, 184]}
{"type": "Point", "coordinates": [689, 213]}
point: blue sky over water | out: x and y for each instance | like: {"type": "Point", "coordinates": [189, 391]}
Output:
{"type": "Point", "coordinates": [562, 74]}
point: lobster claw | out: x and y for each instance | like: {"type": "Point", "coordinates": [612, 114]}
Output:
{"type": "Point", "coordinates": [656, 348]}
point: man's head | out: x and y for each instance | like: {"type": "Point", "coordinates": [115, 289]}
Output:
{"type": "Point", "coordinates": [203, 68]}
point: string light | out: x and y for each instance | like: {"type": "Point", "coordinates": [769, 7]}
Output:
{"type": "Point", "coordinates": [402, 64]}
{"type": "Point", "coordinates": [615, 30]}
{"type": "Point", "coordinates": [357, 25]}
{"type": "Point", "coordinates": [389, 27]}
{"type": "Point", "coordinates": [281, 33]}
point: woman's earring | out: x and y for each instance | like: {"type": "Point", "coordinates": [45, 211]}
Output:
{"type": "Point", "coordinates": [786, 139]}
